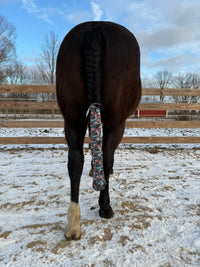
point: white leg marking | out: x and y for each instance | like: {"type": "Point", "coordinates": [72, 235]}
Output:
{"type": "Point", "coordinates": [73, 229]}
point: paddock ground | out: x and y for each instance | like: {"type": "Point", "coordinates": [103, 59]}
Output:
{"type": "Point", "coordinates": [154, 194]}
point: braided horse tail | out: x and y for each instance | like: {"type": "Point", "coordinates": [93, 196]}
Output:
{"type": "Point", "coordinates": [93, 46]}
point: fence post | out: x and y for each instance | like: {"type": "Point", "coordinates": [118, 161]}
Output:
{"type": "Point", "coordinates": [161, 94]}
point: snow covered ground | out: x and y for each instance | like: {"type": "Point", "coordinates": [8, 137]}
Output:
{"type": "Point", "coordinates": [155, 194]}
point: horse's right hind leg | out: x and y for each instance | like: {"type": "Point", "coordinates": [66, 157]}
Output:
{"type": "Point", "coordinates": [111, 139]}
{"type": "Point", "coordinates": [75, 139]}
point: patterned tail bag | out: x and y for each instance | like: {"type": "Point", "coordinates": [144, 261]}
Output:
{"type": "Point", "coordinates": [99, 181]}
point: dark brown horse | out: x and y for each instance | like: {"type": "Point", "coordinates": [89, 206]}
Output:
{"type": "Point", "coordinates": [98, 62]}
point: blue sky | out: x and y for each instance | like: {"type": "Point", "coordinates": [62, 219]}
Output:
{"type": "Point", "coordinates": [167, 31]}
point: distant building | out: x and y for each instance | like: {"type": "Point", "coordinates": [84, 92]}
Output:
{"type": "Point", "coordinates": [151, 113]}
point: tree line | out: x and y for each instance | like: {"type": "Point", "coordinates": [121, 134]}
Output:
{"type": "Point", "coordinates": [165, 79]}
{"type": "Point", "coordinates": [14, 71]}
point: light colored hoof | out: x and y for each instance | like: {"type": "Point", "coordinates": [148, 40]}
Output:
{"type": "Point", "coordinates": [73, 229]}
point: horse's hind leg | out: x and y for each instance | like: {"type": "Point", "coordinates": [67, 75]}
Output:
{"type": "Point", "coordinates": [111, 139]}
{"type": "Point", "coordinates": [75, 138]}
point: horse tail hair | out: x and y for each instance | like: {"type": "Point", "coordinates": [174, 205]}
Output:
{"type": "Point", "coordinates": [93, 59]}
{"type": "Point", "coordinates": [93, 48]}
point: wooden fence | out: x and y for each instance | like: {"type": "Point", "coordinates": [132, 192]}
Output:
{"type": "Point", "coordinates": [52, 105]}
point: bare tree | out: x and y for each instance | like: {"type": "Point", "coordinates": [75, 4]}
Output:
{"type": "Point", "coordinates": [148, 83]}
{"type": "Point", "coordinates": [164, 80]}
{"type": "Point", "coordinates": [3, 73]}
{"type": "Point", "coordinates": [36, 75]}
{"type": "Point", "coordinates": [7, 45]}
{"type": "Point", "coordinates": [49, 52]}
{"type": "Point", "coordinates": [17, 73]}
{"type": "Point", "coordinates": [186, 80]}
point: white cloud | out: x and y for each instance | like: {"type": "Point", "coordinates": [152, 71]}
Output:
{"type": "Point", "coordinates": [174, 35]}
{"type": "Point", "coordinates": [97, 12]}
{"type": "Point", "coordinates": [168, 29]}
{"type": "Point", "coordinates": [30, 6]}
{"type": "Point", "coordinates": [42, 12]}
{"type": "Point", "coordinates": [77, 17]}
{"type": "Point", "coordinates": [165, 38]}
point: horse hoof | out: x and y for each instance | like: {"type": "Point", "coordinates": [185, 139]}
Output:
{"type": "Point", "coordinates": [107, 214]}
{"type": "Point", "coordinates": [111, 171]}
{"type": "Point", "coordinates": [73, 235]}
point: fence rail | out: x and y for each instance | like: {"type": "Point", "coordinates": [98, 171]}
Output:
{"type": "Point", "coordinates": [129, 124]}
{"type": "Point", "coordinates": [52, 105]}
{"type": "Point", "coordinates": [51, 89]}
{"type": "Point", "coordinates": [125, 140]}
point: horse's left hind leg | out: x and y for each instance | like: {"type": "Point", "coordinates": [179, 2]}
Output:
{"type": "Point", "coordinates": [75, 139]}
{"type": "Point", "coordinates": [111, 139]}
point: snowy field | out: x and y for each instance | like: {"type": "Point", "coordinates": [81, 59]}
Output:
{"type": "Point", "coordinates": [155, 194]}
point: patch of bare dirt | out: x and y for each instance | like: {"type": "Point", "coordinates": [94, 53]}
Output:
{"type": "Point", "coordinates": [5, 234]}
